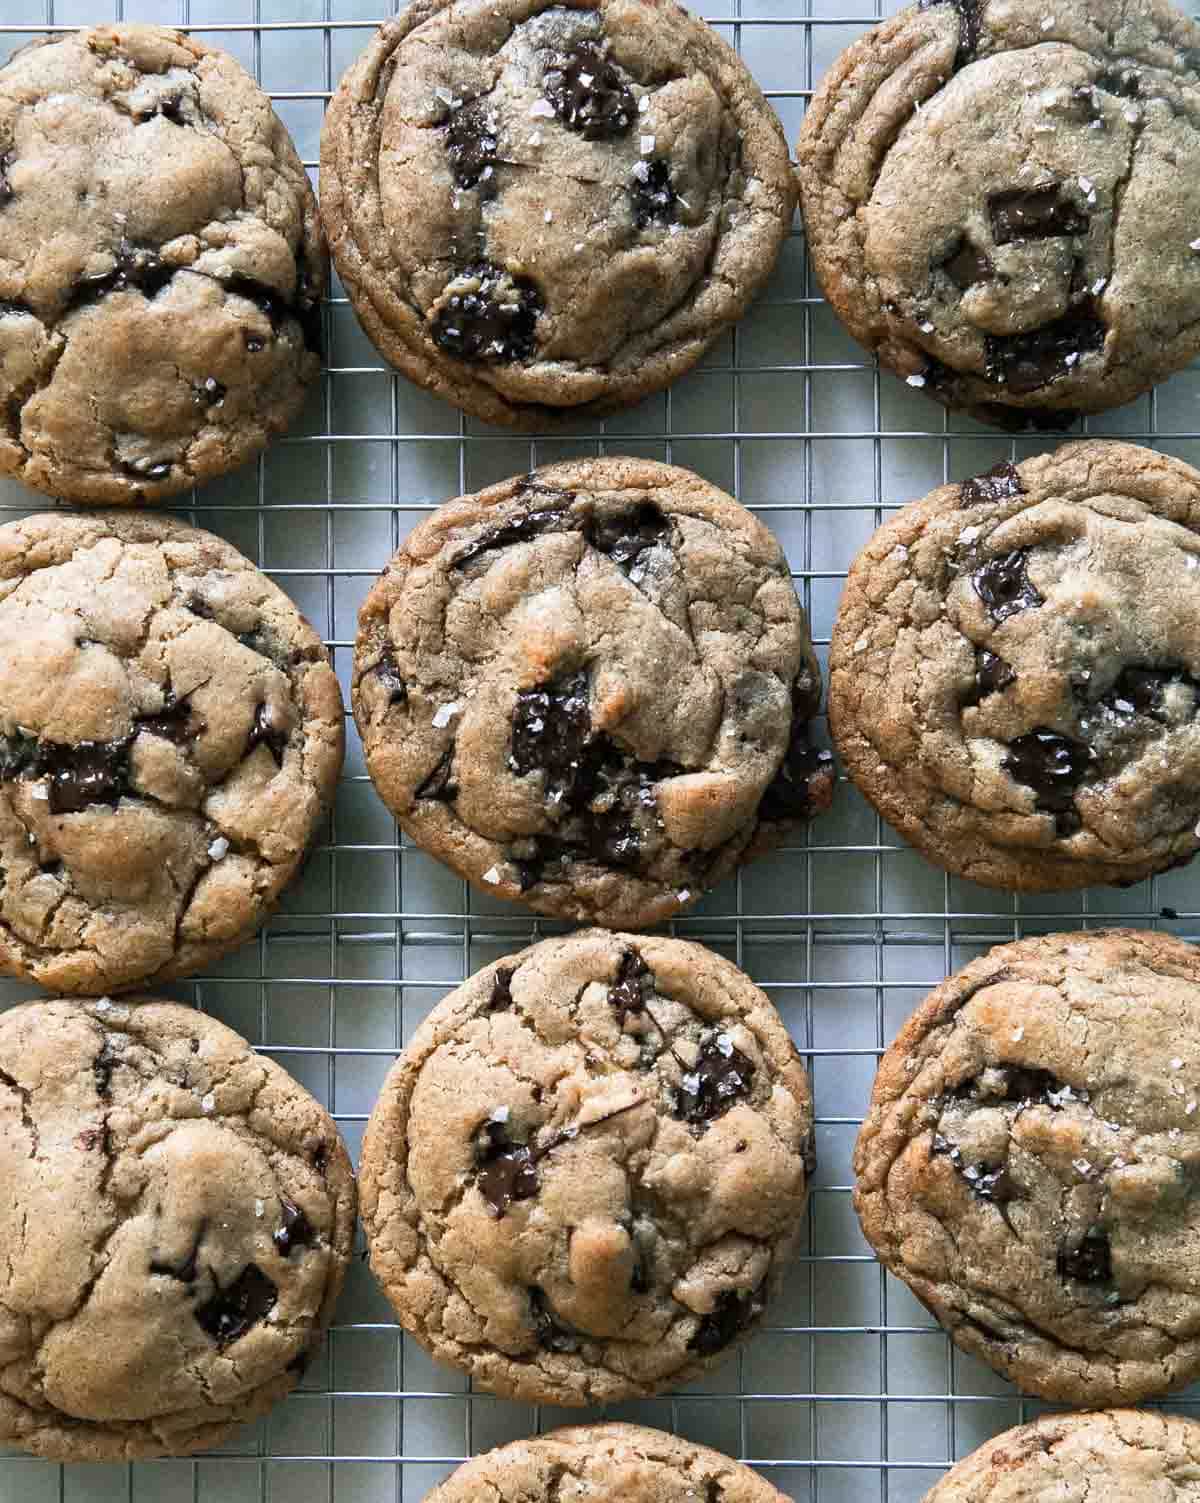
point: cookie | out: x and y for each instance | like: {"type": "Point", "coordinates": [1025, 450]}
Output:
{"type": "Point", "coordinates": [589, 688]}
{"type": "Point", "coordinates": [604, 1464]}
{"type": "Point", "coordinates": [1027, 1162]}
{"type": "Point", "coordinates": [1120, 1455]}
{"type": "Point", "coordinates": [161, 266]}
{"type": "Point", "coordinates": [177, 1217]}
{"type": "Point", "coordinates": [541, 210]}
{"type": "Point", "coordinates": [170, 733]}
{"type": "Point", "coordinates": [1056, 269]}
{"type": "Point", "coordinates": [1015, 670]}
{"type": "Point", "coordinates": [588, 1169]}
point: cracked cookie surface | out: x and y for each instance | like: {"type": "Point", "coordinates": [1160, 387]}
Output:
{"type": "Point", "coordinates": [161, 266]}
{"type": "Point", "coordinates": [1030, 1164]}
{"type": "Point", "coordinates": [1056, 270]}
{"type": "Point", "coordinates": [604, 1464]}
{"type": "Point", "coordinates": [589, 689]}
{"type": "Point", "coordinates": [539, 209]}
{"type": "Point", "coordinates": [170, 733]}
{"type": "Point", "coordinates": [177, 1218]}
{"type": "Point", "coordinates": [1014, 670]}
{"type": "Point", "coordinates": [588, 1169]}
{"type": "Point", "coordinates": [1118, 1455]}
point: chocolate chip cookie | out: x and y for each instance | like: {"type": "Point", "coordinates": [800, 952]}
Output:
{"type": "Point", "coordinates": [589, 688]}
{"type": "Point", "coordinates": [161, 266]}
{"type": "Point", "coordinates": [176, 1220]}
{"type": "Point", "coordinates": [1119, 1455]}
{"type": "Point", "coordinates": [539, 209]}
{"type": "Point", "coordinates": [170, 733]}
{"type": "Point", "coordinates": [1056, 269]}
{"type": "Point", "coordinates": [588, 1168]}
{"type": "Point", "coordinates": [604, 1464]}
{"type": "Point", "coordinates": [1029, 1165]}
{"type": "Point", "coordinates": [1015, 670]}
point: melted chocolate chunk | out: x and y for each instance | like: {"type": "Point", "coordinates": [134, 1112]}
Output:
{"type": "Point", "coordinates": [1053, 766]}
{"type": "Point", "coordinates": [965, 265]}
{"type": "Point", "coordinates": [804, 781]}
{"type": "Point", "coordinates": [142, 270]}
{"type": "Point", "coordinates": [102, 1069]}
{"type": "Point", "coordinates": [987, 1184]}
{"type": "Point", "coordinates": [589, 94]}
{"type": "Point", "coordinates": [1023, 362]}
{"type": "Point", "coordinates": [1034, 214]}
{"type": "Point", "coordinates": [147, 469]}
{"type": "Point", "coordinates": [184, 1272]}
{"type": "Point", "coordinates": [553, 1334]}
{"type": "Point", "coordinates": [210, 393]}
{"type": "Point", "coordinates": [1142, 691]}
{"type": "Point", "coordinates": [296, 1229]}
{"type": "Point", "coordinates": [992, 674]}
{"type": "Point", "coordinates": [200, 607]}
{"type": "Point", "coordinates": [494, 322]}
{"type": "Point", "coordinates": [628, 993]}
{"type": "Point", "coordinates": [231, 1312]}
{"type": "Point", "coordinates": [1089, 1261]}
{"type": "Point", "coordinates": [501, 998]}
{"type": "Point", "coordinates": [521, 529]}
{"type": "Point", "coordinates": [626, 538]}
{"type": "Point", "coordinates": [1126, 83]}
{"type": "Point", "coordinates": [277, 309]}
{"type": "Point", "coordinates": [471, 143]}
{"type": "Point", "coordinates": [265, 733]}
{"type": "Point", "coordinates": [1016, 1083]}
{"type": "Point", "coordinates": [387, 672]}
{"type": "Point", "coordinates": [172, 722]}
{"type": "Point", "coordinates": [722, 1076]}
{"type": "Point", "coordinates": [92, 772]}
{"type": "Point", "coordinates": [17, 755]}
{"type": "Point", "coordinates": [6, 188]}
{"type": "Point", "coordinates": [440, 784]}
{"type": "Point", "coordinates": [506, 1171]}
{"type": "Point", "coordinates": [999, 483]}
{"type": "Point", "coordinates": [731, 1314]}
{"type": "Point", "coordinates": [654, 197]}
{"type": "Point", "coordinates": [552, 733]}
{"type": "Point", "coordinates": [970, 22]}
{"type": "Point", "coordinates": [1004, 586]}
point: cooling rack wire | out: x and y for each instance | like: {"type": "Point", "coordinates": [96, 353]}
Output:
{"type": "Point", "coordinates": [850, 1393]}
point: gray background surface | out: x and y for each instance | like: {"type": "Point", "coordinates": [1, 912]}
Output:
{"type": "Point", "coordinates": [850, 1392]}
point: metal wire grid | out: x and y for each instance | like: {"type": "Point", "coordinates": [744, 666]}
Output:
{"type": "Point", "coordinates": [850, 1392]}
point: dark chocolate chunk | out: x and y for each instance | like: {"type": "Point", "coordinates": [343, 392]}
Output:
{"type": "Point", "coordinates": [992, 674]}
{"type": "Point", "coordinates": [231, 1312]}
{"type": "Point", "coordinates": [1034, 214]}
{"type": "Point", "coordinates": [92, 772]}
{"type": "Point", "coordinates": [6, 187]}
{"type": "Point", "coordinates": [520, 529]}
{"type": "Point", "coordinates": [1016, 1083]}
{"type": "Point", "coordinates": [722, 1075]}
{"type": "Point", "coordinates": [628, 992]}
{"type": "Point", "coordinates": [147, 469]}
{"type": "Point", "coordinates": [471, 143]}
{"type": "Point", "coordinates": [1142, 691]}
{"type": "Point", "coordinates": [1125, 82]}
{"type": "Point", "coordinates": [626, 538]}
{"type": "Point", "coordinates": [388, 674]}
{"type": "Point", "coordinates": [1053, 766]}
{"type": "Point", "coordinates": [102, 1069]}
{"type": "Point", "coordinates": [1089, 1261]}
{"type": "Point", "coordinates": [142, 270]}
{"type": "Point", "coordinates": [506, 1170]}
{"type": "Point", "coordinates": [172, 722]}
{"type": "Point", "coordinates": [965, 265]}
{"type": "Point", "coordinates": [306, 312]}
{"type": "Point", "coordinates": [552, 734]}
{"type": "Point", "coordinates": [494, 322]}
{"type": "Point", "coordinates": [589, 93]}
{"type": "Point", "coordinates": [553, 1334]}
{"type": "Point", "coordinates": [731, 1314]}
{"type": "Point", "coordinates": [989, 1184]}
{"type": "Point", "coordinates": [654, 197]}
{"type": "Point", "coordinates": [265, 733]}
{"type": "Point", "coordinates": [999, 483]}
{"type": "Point", "coordinates": [200, 607]}
{"type": "Point", "coordinates": [440, 784]}
{"type": "Point", "coordinates": [803, 784]}
{"type": "Point", "coordinates": [18, 753]}
{"type": "Point", "coordinates": [295, 1231]}
{"type": "Point", "coordinates": [501, 998]}
{"type": "Point", "coordinates": [1023, 362]}
{"type": "Point", "coordinates": [1004, 585]}
{"type": "Point", "coordinates": [970, 22]}
{"type": "Point", "coordinates": [210, 393]}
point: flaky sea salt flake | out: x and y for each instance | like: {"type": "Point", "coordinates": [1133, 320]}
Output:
{"type": "Point", "coordinates": [446, 714]}
{"type": "Point", "coordinates": [542, 109]}
{"type": "Point", "coordinates": [916, 380]}
{"type": "Point", "coordinates": [208, 1104]}
{"type": "Point", "coordinates": [646, 145]}
{"type": "Point", "coordinates": [492, 875]}
{"type": "Point", "coordinates": [40, 791]}
{"type": "Point", "coordinates": [219, 849]}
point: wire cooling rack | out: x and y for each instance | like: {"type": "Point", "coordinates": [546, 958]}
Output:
{"type": "Point", "coordinates": [850, 1393]}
